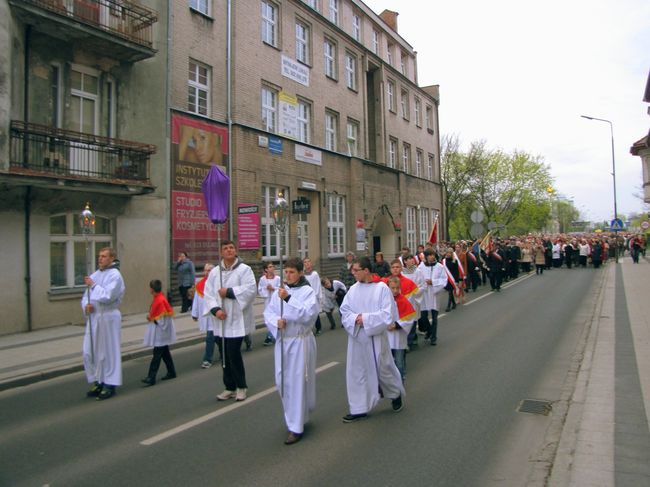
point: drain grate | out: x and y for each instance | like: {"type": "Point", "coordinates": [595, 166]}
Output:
{"type": "Point", "coordinates": [535, 406]}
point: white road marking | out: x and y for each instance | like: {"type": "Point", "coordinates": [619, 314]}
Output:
{"type": "Point", "coordinates": [220, 412]}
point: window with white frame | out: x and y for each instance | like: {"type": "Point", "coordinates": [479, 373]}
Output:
{"type": "Point", "coordinates": [270, 238]}
{"type": "Point", "coordinates": [404, 103]}
{"type": "Point", "coordinates": [311, 3]}
{"type": "Point", "coordinates": [390, 93]}
{"type": "Point", "coordinates": [304, 121]}
{"type": "Point", "coordinates": [269, 109]}
{"type": "Point", "coordinates": [392, 152]}
{"type": "Point", "coordinates": [335, 225]}
{"type": "Point", "coordinates": [331, 129]}
{"type": "Point", "coordinates": [198, 88]}
{"type": "Point", "coordinates": [404, 64]}
{"type": "Point", "coordinates": [269, 23]}
{"type": "Point", "coordinates": [353, 137]}
{"type": "Point", "coordinates": [375, 41]}
{"type": "Point", "coordinates": [389, 53]}
{"type": "Point", "coordinates": [334, 11]}
{"type": "Point", "coordinates": [202, 6]}
{"type": "Point", "coordinates": [302, 42]}
{"type": "Point", "coordinates": [329, 53]}
{"type": "Point", "coordinates": [418, 112]}
{"type": "Point", "coordinates": [68, 262]}
{"type": "Point", "coordinates": [351, 71]}
{"type": "Point", "coordinates": [419, 155]}
{"type": "Point", "coordinates": [425, 225]}
{"type": "Point", "coordinates": [356, 27]}
{"type": "Point", "coordinates": [429, 118]}
{"type": "Point", "coordinates": [406, 157]}
{"type": "Point", "coordinates": [410, 228]}
{"type": "Point", "coordinates": [430, 161]}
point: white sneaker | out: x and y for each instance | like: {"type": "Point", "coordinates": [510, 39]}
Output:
{"type": "Point", "coordinates": [225, 395]}
{"type": "Point", "coordinates": [240, 395]}
{"type": "Point", "coordinates": [206, 365]}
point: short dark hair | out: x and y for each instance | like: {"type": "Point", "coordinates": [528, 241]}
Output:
{"type": "Point", "coordinates": [295, 263]}
{"type": "Point", "coordinates": [395, 261]}
{"type": "Point", "coordinates": [363, 262]}
{"type": "Point", "coordinates": [267, 264]}
{"type": "Point", "coordinates": [227, 242]}
{"type": "Point", "coordinates": [430, 252]}
{"type": "Point", "coordinates": [155, 285]}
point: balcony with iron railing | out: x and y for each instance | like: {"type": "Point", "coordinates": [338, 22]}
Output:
{"type": "Point", "coordinates": [53, 154]}
{"type": "Point", "coordinates": [119, 28]}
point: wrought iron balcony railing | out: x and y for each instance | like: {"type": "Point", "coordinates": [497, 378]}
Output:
{"type": "Point", "coordinates": [50, 151]}
{"type": "Point", "coordinates": [121, 17]}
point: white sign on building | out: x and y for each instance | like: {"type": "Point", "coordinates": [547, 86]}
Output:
{"type": "Point", "coordinates": [288, 118]}
{"type": "Point", "coordinates": [308, 155]}
{"type": "Point", "coordinates": [294, 70]}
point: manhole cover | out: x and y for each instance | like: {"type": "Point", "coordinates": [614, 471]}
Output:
{"type": "Point", "coordinates": [535, 406]}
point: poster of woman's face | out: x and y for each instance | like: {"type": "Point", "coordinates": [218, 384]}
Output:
{"type": "Point", "coordinates": [200, 146]}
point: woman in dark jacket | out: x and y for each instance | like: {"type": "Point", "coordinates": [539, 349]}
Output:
{"type": "Point", "coordinates": [452, 265]}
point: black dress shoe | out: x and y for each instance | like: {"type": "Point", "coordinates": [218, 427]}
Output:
{"type": "Point", "coordinates": [447, 309]}
{"type": "Point", "coordinates": [168, 376]}
{"type": "Point", "coordinates": [149, 381]}
{"type": "Point", "coordinates": [293, 438]}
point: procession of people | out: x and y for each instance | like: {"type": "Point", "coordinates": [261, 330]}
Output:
{"type": "Point", "coordinates": [383, 307]}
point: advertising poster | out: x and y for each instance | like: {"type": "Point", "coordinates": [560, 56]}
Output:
{"type": "Point", "coordinates": [248, 226]}
{"type": "Point", "coordinates": [196, 145]}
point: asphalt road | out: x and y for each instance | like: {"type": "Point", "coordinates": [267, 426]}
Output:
{"type": "Point", "coordinates": [459, 427]}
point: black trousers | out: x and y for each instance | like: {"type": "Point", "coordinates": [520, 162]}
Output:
{"type": "Point", "coordinates": [166, 356]}
{"type": "Point", "coordinates": [429, 327]}
{"type": "Point", "coordinates": [186, 303]}
{"type": "Point", "coordinates": [496, 277]}
{"type": "Point", "coordinates": [234, 374]}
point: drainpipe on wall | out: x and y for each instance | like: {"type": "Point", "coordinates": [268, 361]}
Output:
{"type": "Point", "coordinates": [28, 191]}
{"type": "Point", "coordinates": [229, 113]}
{"type": "Point", "coordinates": [168, 176]}
{"type": "Point", "coordinates": [28, 264]}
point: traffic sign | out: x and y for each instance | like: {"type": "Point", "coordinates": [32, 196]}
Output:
{"type": "Point", "coordinates": [645, 225]}
{"type": "Point", "coordinates": [477, 216]}
{"type": "Point", "coordinates": [476, 230]}
{"type": "Point", "coordinates": [616, 224]}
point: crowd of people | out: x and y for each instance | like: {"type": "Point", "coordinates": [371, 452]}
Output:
{"type": "Point", "coordinates": [383, 308]}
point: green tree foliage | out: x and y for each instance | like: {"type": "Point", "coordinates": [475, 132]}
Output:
{"type": "Point", "coordinates": [510, 189]}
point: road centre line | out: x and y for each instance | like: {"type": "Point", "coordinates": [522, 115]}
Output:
{"type": "Point", "coordinates": [215, 414]}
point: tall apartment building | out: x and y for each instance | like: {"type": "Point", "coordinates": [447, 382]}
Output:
{"type": "Point", "coordinates": [324, 106]}
{"type": "Point", "coordinates": [126, 104]}
{"type": "Point", "coordinates": [82, 119]}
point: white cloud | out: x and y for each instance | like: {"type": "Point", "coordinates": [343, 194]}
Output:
{"type": "Point", "coordinates": [519, 75]}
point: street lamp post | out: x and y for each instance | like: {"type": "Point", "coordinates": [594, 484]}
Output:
{"type": "Point", "coordinates": [611, 130]}
{"type": "Point", "coordinates": [280, 217]}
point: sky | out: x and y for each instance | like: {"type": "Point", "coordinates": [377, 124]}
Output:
{"type": "Point", "coordinates": [519, 74]}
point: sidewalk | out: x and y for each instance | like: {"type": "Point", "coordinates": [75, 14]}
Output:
{"type": "Point", "coordinates": [31, 357]}
{"type": "Point", "coordinates": [599, 434]}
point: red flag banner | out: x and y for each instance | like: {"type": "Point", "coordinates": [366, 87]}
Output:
{"type": "Point", "coordinates": [433, 236]}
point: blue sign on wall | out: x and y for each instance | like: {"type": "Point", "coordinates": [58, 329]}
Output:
{"type": "Point", "coordinates": [275, 145]}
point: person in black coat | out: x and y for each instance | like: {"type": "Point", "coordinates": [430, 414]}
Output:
{"type": "Point", "coordinates": [496, 262]}
{"type": "Point", "coordinates": [452, 265]}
